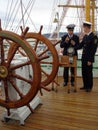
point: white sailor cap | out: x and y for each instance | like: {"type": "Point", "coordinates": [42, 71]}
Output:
{"type": "Point", "coordinates": [86, 23]}
{"type": "Point", "coordinates": [70, 26]}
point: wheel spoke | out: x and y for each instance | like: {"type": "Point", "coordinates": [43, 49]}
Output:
{"type": "Point", "coordinates": [19, 65]}
{"type": "Point", "coordinates": [16, 88]}
{"type": "Point", "coordinates": [46, 62]}
{"type": "Point", "coordinates": [44, 73]}
{"type": "Point", "coordinates": [6, 90]}
{"type": "Point", "coordinates": [36, 44]}
{"type": "Point", "coordinates": [21, 78]}
{"type": "Point", "coordinates": [1, 51]}
{"type": "Point", "coordinates": [43, 57]}
{"type": "Point", "coordinates": [10, 56]}
{"type": "Point", "coordinates": [42, 53]}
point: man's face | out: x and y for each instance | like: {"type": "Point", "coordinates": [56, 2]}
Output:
{"type": "Point", "coordinates": [70, 31]}
{"type": "Point", "coordinates": [86, 29]}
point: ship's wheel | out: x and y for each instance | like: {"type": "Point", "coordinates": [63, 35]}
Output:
{"type": "Point", "coordinates": [47, 55]}
{"type": "Point", "coordinates": [10, 71]}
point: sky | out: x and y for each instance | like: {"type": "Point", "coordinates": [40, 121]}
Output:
{"type": "Point", "coordinates": [36, 13]}
{"type": "Point", "coordinates": [40, 13]}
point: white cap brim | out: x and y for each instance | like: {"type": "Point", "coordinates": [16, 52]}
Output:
{"type": "Point", "coordinates": [88, 23]}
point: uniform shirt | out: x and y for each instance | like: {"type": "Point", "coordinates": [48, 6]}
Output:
{"type": "Point", "coordinates": [66, 45]}
{"type": "Point", "coordinates": [89, 45]}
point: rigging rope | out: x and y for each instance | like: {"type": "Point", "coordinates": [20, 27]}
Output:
{"type": "Point", "coordinates": [6, 13]}
{"type": "Point", "coordinates": [28, 14]}
{"type": "Point", "coordinates": [22, 13]}
{"type": "Point", "coordinates": [52, 16]}
{"type": "Point", "coordinates": [78, 15]}
{"type": "Point", "coordinates": [61, 19]}
{"type": "Point", "coordinates": [14, 17]}
{"type": "Point", "coordinates": [10, 14]}
{"type": "Point", "coordinates": [25, 12]}
{"type": "Point", "coordinates": [12, 11]}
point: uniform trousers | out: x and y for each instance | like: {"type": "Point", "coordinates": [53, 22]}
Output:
{"type": "Point", "coordinates": [66, 74]}
{"type": "Point", "coordinates": [87, 75]}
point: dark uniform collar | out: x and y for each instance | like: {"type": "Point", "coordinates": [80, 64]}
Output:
{"type": "Point", "coordinates": [88, 33]}
{"type": "Point", "coordinates": [70, 36]}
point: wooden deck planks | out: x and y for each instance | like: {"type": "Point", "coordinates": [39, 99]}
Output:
{"type": "Point", "coordinates": [62, 111]}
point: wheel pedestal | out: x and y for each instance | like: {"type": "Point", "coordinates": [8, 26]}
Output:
{"type": "Point", "coordinates": [21, 113]}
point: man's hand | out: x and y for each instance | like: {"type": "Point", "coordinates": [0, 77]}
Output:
{"type": "Point", "coordinates": [89, 63]}
{"type": "Point", "coordinates": [73, 42]}
{"type": "Point", "coordinates": [67, 39]}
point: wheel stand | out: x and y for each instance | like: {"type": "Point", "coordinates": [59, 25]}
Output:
{"type": "Point", "coordinates": [21, 113]}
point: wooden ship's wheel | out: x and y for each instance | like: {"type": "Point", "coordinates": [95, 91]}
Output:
{"type": "Point", "coordinates": [34, 52]}
{"type": "Point", "coordinates": [10, 71]}
{"type": "Point", "coordinates": [47, 55]}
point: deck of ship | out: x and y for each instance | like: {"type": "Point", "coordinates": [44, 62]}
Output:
{"type": "Point", "coordinates": [62, 111]}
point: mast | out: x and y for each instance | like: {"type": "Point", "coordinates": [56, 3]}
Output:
{"type": "Point", "coordinates": [87, 9]}
{"type": "Point", "coordinates": [93, 15]}
{"type": "Point", "coordinates": [90, 9]}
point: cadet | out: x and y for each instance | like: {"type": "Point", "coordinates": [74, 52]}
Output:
{"type": "Point", "coordinates": [69, 40]}
{"type": "Point", "coordinates": [89, 45]}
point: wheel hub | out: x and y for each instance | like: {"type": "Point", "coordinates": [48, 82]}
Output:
{"type": "Point", "coordinates": [3, 72]}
